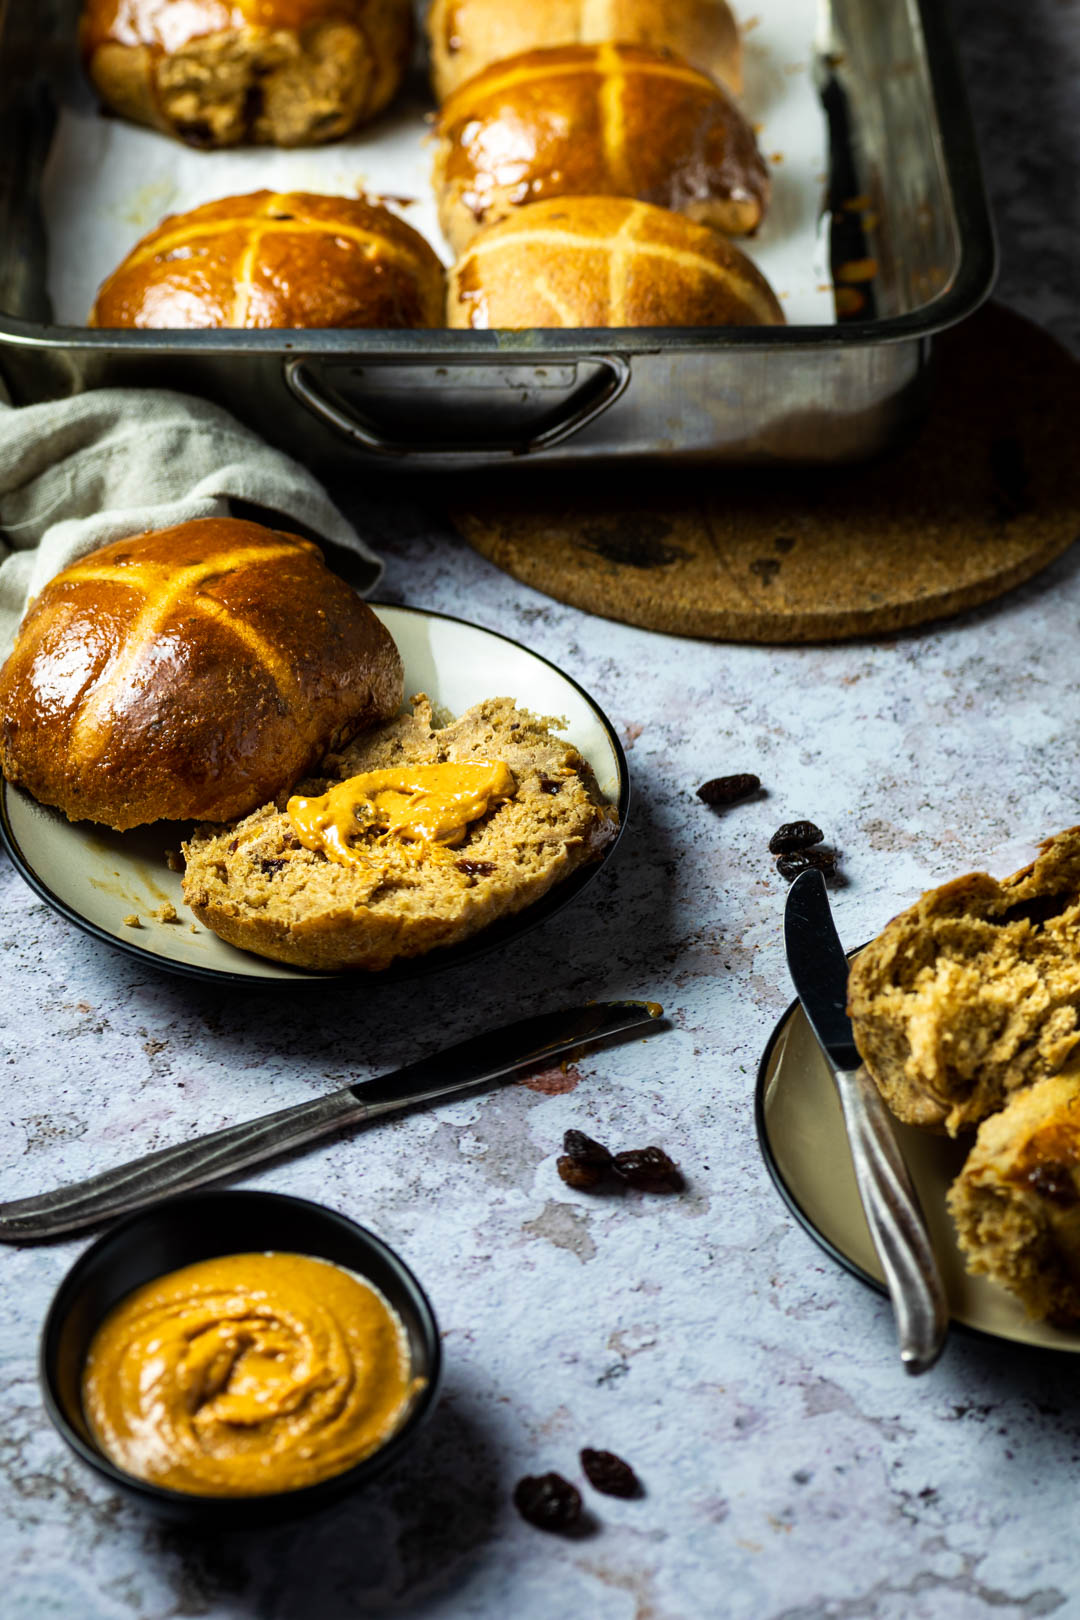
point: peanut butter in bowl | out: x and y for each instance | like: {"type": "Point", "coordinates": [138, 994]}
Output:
{"type": "Point", "coordinates": [248, 1375]}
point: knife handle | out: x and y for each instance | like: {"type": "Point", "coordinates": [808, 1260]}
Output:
{"type": "Point", "coordinates": [896, 1222]}
{"type": "Point", "coordinates": [177, 1169]}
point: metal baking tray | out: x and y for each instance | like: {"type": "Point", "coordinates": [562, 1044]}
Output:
{"type": "Point", "coordinates": [901, 144]}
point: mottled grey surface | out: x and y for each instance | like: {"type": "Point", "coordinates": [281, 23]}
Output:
{"type": "Point", "coordinates": [791, 1471]}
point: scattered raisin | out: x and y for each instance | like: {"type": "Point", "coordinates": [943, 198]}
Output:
{"type": "Point", "coordinates": [548, 1501]}
{"type": "Point", "coordinates": [794, 835]}
{"type": "Point", "coordinates": [1055, 1183]}
{"type": "Point", "coordinates": [801, 860]}
{"type": "Point", "coordinates": [581, 1176]}
{"type": "Point", "coordinates": [270, 866]}
{"type": "Point", "coordinates": [548, 784]}
{"type": "Point", "coordinates": [608, 1473]}
{"type": "Point", "coordinates": [475, 868]}
{"type": "Point", "coordinates": [728, 789]}
{"type": "Point", "coordinates": [648, 1168]}
{"type": "Point", "coordinates": [196, 132]}
{"type": "Point", "coordinates": [233, 846]}
{"type": "Point", "coordinates": [582, 1149]}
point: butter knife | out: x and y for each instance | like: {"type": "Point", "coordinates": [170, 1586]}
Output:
{"type": "Point", "coordinates": [819, 971]}
{"type": "Point", "coordinates": [475, 1062]}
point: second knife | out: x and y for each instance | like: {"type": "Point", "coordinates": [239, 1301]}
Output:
{"type": "Point", "coordinates": [483, 1058]}
{"type": "Point", "coordinates": [819, 971]}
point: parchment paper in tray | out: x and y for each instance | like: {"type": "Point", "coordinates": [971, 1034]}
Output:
{"type": "Point", "coordinates": [108, 182]}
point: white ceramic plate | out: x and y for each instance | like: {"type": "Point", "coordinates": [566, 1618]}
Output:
{"type": "Point", "coordinates": [97, 878]}
{"type": "Point", "coordinates": [804, 1143]}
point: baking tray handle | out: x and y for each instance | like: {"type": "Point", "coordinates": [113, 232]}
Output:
{"type": "Point", "coordinates": [607, 383]}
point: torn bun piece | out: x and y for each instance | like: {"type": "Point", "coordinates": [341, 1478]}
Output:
{"type": "Point", "coordinates": [974, 992]}
{"type": "Point", "coordinates": [266, 72]}
{"type": "Point", "coordinates": [1016, 1203]}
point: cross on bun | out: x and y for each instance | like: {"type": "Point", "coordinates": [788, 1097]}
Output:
{"type": "Point", "coordinates": [275, 72]}
{"type": "Point", "coordinates": [467, 35]}
{"type": "Point", "coordinates": [596, 120]}
{"type": "Point", "coordinates": [193, 673]}
{"type": "Point", "coordinates": [605, 261]}
{"type": "Point", "coordinates": [276, 259]}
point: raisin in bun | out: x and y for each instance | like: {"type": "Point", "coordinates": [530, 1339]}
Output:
{"type": "Point", "coordinates": [467, 35]}
{"type": "Point", "coordinates": [193, 673]}
{"type": "Point", "coordinates": [276, 259]}
{"type": "Point", "coordinates": [605, 261]}
{"type": "Point", "coordinates": [275, 72]}
{"type": "Point", "coordinates": [596, 120]}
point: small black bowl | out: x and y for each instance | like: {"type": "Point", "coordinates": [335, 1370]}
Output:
{"type": "Point", "coordinates": [200, 1226]}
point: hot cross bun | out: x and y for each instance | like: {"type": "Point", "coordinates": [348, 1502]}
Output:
{"type": "Point", "coordinates": [276, 259]}
{"type": "Point", "coordinates": [275, 72]}
{"type": "Point", "coordinates": [193, 673]}
{"type": "Point", "coordinates": [605, 261]}
{"type": "Point", "coordinates": [467, 35]}
{"type": "Point", "coordinates": [596, 120]}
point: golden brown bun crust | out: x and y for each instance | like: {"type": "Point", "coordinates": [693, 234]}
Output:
{"type": "Point", "coordinates": [605, 261]}
{"type": "Point", "coordinates": [973, 992]}
{"type": "Point", "coordinates": [1016, 1203]}
{"type": "Point", "coordinates": [276, 259]}
{"type": "Point", "coordinates": [274, 72]}
{"type": "Point", "coordinates": [191, 673]}
{"type": "Point", "coordinates": [596, 120]}
{"type": "Point", "coordinates": [467, 35]}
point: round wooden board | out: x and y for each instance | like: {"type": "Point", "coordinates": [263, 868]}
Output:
{"type": "Point", "coordinates": [985, 496]}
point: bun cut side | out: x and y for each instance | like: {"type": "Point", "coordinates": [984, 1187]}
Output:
{"type": "Point", "coordinates": [193, 673]}
{"type": "Point", "coordinates": [973, 993]}
{"type": "Point", "coordinates": [1016, 1203]}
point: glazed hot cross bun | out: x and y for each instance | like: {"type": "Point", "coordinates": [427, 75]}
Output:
{"type": "Point", "coordinates": [467, 35]}
{"type": "Point", "coordinates": [191, 673]}
{"type": "Point", "coordinates": [606, 261]}
{"type": "Point", "coordinates": [595, 120]}
{"type": "Point", "coordinates": [277, 259]}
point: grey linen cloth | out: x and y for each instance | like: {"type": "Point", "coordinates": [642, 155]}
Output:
{"type": "Point", "coordinates": [76, 473]}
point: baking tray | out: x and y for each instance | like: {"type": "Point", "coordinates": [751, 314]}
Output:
{"type": "Point", "coordinates": [901, 144]}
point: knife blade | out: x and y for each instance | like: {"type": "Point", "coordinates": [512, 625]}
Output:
{"type": "Point", "coordinates": [819, 971]}
{"type": "Point", "coordinates": [474, 1062]}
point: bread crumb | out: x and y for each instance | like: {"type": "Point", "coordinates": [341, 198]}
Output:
{"type": "Point", "coordinates": [132, 920]}
{"type": "Point", "coordinates": [194, 927]}
{"type": "Point", "coordinates": [166, 912]}
{"type": "Point", "coordinates": [174, 860]}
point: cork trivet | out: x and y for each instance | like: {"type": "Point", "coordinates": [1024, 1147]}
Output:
{"type": "Point", "coordinates": [985, 496]}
